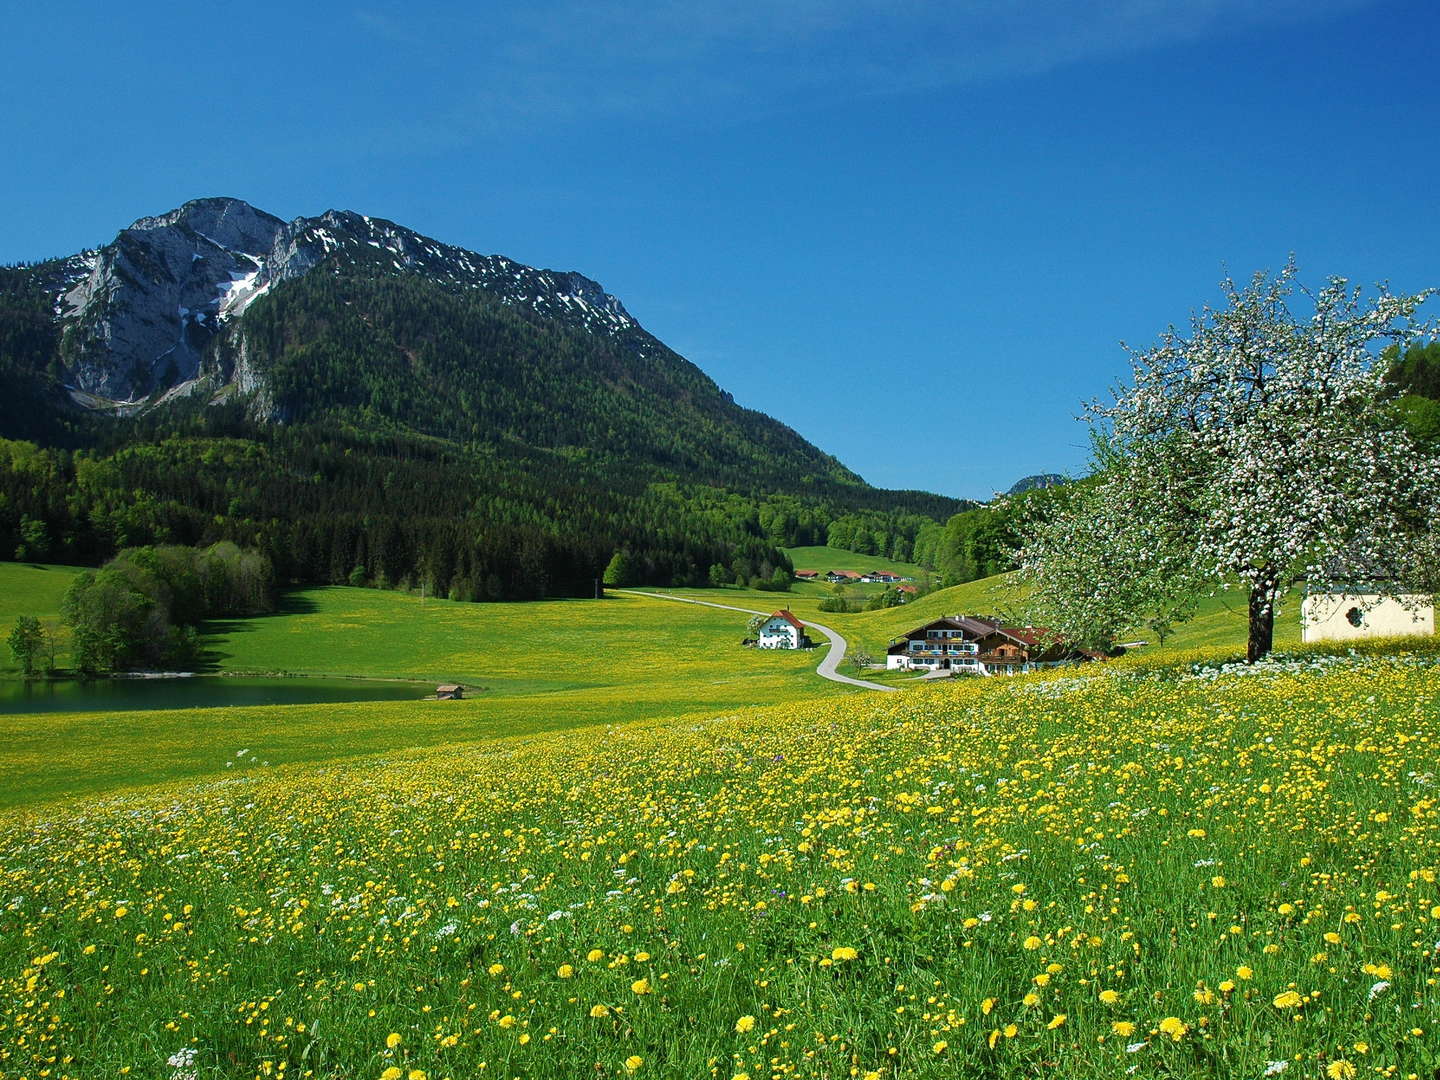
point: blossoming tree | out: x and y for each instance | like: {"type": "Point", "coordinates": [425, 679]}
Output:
{"type": "Point", "coordinates": [1261, 449]}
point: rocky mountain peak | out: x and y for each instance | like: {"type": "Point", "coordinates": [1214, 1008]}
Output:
{"type": "Point", "coordinates": [139, 314]}
{"type": "Point", "coordinates": [226, 223]}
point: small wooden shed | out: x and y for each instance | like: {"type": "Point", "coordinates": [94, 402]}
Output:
{"type": "Point", "coordinates": [449, 692]}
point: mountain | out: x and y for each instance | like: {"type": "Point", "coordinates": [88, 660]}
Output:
{"type": "Point", "coordinates": [344, 392]}
{"type": "Point", "coordinates": [1039, 480]}
{"type": "Point", "coordinates": [344, 316]}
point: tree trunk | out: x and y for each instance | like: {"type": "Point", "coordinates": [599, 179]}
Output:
{"type": "Point", "coordinates": [1262, 623]}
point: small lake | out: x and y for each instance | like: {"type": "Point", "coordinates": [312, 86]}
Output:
{"type": "Point", "coordinates": [199, 692]}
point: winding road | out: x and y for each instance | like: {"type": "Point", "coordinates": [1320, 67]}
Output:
{"type": "Point", "coordinates": [828, 663]}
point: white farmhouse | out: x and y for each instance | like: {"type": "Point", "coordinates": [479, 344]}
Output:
{"type": "Point", "coordinates": [1348, 616]}
{"type": "Point", "coordinates": [782, 631]}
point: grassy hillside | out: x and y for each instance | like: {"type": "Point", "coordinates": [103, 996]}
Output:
{"type": "Point", "coordinates": [1219, 622]}
{"type": "Point", "coordinates": [31, 589]}
{"type": "Point", "coordinates": [539, 667]}
{"type": "Point", "coordinates": [515, 648]}
{"type": "Point", "coordinates": [1074, 877]}
{"type": "Point", "coordinates": [829, 558]}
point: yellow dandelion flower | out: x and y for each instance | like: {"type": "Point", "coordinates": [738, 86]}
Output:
{"type": "Point", "coordinates": [641, 956]}
{"type": "Point", "coordinates": [1032, 942]}
{"type": "Point", "coordinates": [1056, 1021]}
{"type": "Point", "coordinates": [598, 1011]}
{"type": "Point", "coordinates": [1226, 986]}
{"type": "Point", "coordinates": [496, 969]}
{"type": "Point", "coordinates": [1174, 1027]}
{"type": "Point", "coordinates": [744, 1024]}
{"type": "Point", "coordinates": [1340, 1070]}
{"type": "Point", "coordinates": [1031, 999]}
{"type": "Point", "coordinates": [640, 986]}
{"type": "Point", "coordinates": [1218, 881]}
{"type": "Point", "coordinates": [1010, 1031]}
{"type": "Point", "coordinates": [940, 1047]}
{"type": "Point", "coordinates": [1123, 1028]}
{"type": "Point", "coordinates": [1242, 973]}
{"type": "Point", "coordinates": [393, 1040]}
{"type": "Point", "coordinates": [1287, 999]}
{"type": "Point", "coordinates": [843, 952]}
{"type": "Point", "coordinates": [565, 971]}
{"type": "Point", "coordinates": [121, 911]}
{"type": "Point", "coordinates": [415, 1074]}
{"type": "Point", "coordinates": [633, 1062]}
{"type": "Point", "coordinates": [1332, 938]}
{"type": "Point", "coordinates": [506, 1021]}
{"type": "Point", "coordinates": [986, 1006]}
{"type": "Point", "coordinates": [993, 1038]}
{"type": "Point", "coordinates": [595, 956]}
{"type": "Point", "coordinates": [1109, 997]}
{"type": "Point", "coordinates": [394, 1072]}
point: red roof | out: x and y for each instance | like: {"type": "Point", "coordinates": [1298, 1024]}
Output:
{"type": "Point", "coordinates": [807, 573]}
{"type": "Point", "coordinates": [906, 588]}
{"type": "Point", "coordinates": [1030, 635]}
{"type": "Point", "coordinates": [782, 614]}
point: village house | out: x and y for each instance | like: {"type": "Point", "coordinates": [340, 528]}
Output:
{"type": "Point", "coordinates": [1351, 616]}
{"type": "Point", "coordinates": [846, 577]}
{"type": "Point", "coordinates": [883, 577]}
{"type": "Point", "coordinates": [977, 645]}
{"type": "Point", "coordinates": [782, 631]}
{"type": "Point", "coordinates": [1361, 595]}
{"type": "Point", "coordinates": [807, 575]}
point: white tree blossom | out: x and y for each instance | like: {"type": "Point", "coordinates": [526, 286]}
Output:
{"type": "Point", "coordinates": [1259, 449]}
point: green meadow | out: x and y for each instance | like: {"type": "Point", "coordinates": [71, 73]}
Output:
{"type": "Point", "coordinates": [529, 668]}
{"type": "Point", "coordinates": [32, 589]}
{"type": "Point", "coordinates": [1127, 873]}
{"type": "Point", "coordinates": [825, 558]}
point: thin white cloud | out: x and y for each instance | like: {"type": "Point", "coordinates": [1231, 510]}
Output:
{"type": "Point", "coordinates": [571, 59]}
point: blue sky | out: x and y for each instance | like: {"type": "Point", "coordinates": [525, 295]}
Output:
{"type": "Point", "coordinates": [916, 232]}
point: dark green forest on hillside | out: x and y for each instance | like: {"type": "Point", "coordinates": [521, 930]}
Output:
{"type": "Point", "coordinates": [459, 364]}
{"type": "Point", "coordinates": [325, 506]}
{"type": "Point", "coordinates": [424, 435]}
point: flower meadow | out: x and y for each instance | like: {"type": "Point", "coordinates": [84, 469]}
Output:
{"type": "Point", "coordinates": [1121, 874]}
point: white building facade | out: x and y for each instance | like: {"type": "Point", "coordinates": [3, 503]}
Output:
{"type": "Point", "coordinates": [782, 631]}
{"type": "Point", "coordinates": [1353, 616]}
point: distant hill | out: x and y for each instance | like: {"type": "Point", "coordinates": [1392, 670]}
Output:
{"type": "Point", "coordinates": [368, 403]}
{"type": "Point", "coordinates": [1039, 480]}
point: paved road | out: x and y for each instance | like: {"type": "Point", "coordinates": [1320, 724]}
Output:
{"type": "Point", "coordinates": [828, 663]}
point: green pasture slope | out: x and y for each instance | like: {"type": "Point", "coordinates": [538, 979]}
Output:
{"type": "Point", "coordinates": [1219, 622]}
{"type": "Point", "coordinates": [828, 558]}
{"type": "Point", "coordinates": [543, 666]}
{"type": "Point", "coordinates": [30, 589]}
{"type": "Point", "coordinates": [1074, 875]}
{"type": "Point", "coordinates": [536, 667]}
